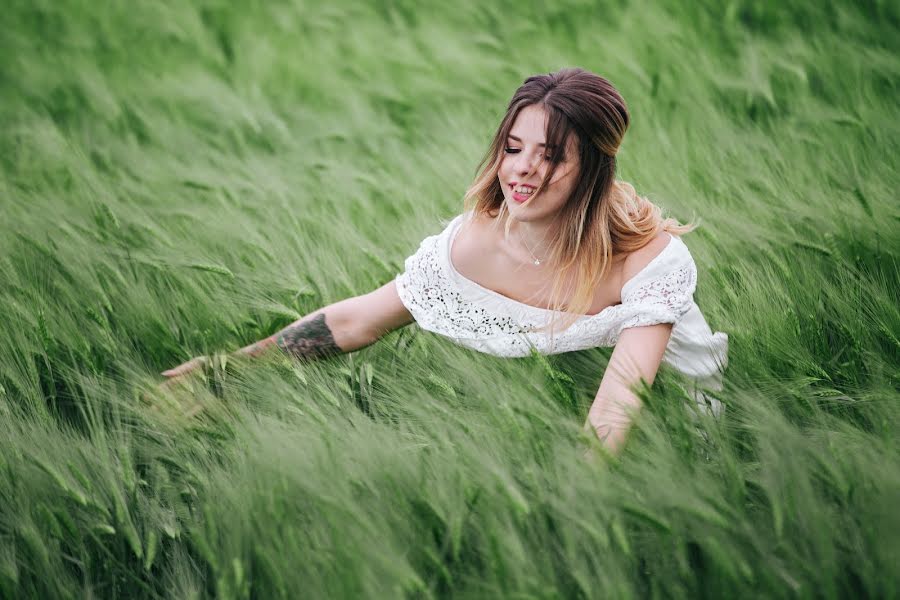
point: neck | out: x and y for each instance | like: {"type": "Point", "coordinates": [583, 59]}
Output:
{"type": "Point", "coordinates": [533, 237]}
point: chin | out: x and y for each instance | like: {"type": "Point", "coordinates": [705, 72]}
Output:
{"type": "Point", "coordinates": [527, 217]}
{"type": "Point", "coordinates": [513, 205]}
{"type": "Point", "coordinates": [516, 210]}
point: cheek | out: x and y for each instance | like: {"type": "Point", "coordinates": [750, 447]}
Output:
{"type": "Point", "coordinates": [558, 182]}
{"type": "Point", "coordinates": [564, 177]}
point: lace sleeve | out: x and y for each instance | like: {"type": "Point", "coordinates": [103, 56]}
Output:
{"type": "Point", "coordinates": [431, 293]}
{"type": "Point", "coordinates": [420, 284]}
{"type": "Point", "coordinates": [665, 295]}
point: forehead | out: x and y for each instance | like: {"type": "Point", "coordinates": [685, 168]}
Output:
{"type": "Point", "coordinates": [530, 124]}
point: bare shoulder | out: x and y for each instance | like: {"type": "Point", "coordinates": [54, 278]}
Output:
{"type": "Point", "coordinates": [471, 241]}
{"type": "Point", "coordinates": [475, 247]}
{"type": "Point", "coordinates": [640, 258]}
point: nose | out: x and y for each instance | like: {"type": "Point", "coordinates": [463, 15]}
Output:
{"type": "Point", "coordinates": [525, 163]}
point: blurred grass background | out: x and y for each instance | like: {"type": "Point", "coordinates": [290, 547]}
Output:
{"type": "Point", "coordinates": [179, 178]}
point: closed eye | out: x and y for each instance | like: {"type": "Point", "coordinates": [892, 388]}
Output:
{"type": "Point", "coordinates": [517, 150]}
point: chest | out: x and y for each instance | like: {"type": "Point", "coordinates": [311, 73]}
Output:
{"type": "Point", "coordinates": [482, 259]}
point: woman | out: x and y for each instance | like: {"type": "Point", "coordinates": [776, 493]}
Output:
{"type": "Point", "coordinates": [551, 255]}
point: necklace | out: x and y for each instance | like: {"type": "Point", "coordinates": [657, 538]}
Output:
{"type": "Point", "coordinates": [535, 260]}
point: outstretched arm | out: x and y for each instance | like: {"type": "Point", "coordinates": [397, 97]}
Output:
{"type": "Point", "coordinates": [340, 327]}
{"type": "Point", "coordinates": [637, 356]}
{"type": "Point", "coordinates": [310, 337]}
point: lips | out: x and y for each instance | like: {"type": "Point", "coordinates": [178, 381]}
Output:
{"type": "Point", "coordinates": [525, 191]}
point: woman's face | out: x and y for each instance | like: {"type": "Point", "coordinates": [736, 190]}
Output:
{"type": "Point", "coordinates": [524, 164]}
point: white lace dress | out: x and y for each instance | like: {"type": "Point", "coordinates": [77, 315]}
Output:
{"type": "Point", "coordinates": [443, 301]}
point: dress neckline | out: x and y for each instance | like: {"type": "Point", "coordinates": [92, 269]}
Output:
{"type": "Point", "coordinates": [449, 248]}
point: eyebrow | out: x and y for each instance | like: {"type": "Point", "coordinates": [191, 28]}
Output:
{"type": "Point", "coordinates": [512, 137]}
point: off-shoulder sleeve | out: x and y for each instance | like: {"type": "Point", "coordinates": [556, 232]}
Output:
{"type": "Point", "coordinates": [664, 293]}
{"type": "Point", "coordinates": [424, 286]}
{"type": "Point", "coordinates": [430, 290]}
{"type": "Point", "coordinates": [419, 285]}
{"type": "Point", "coordinates": [664, 290]}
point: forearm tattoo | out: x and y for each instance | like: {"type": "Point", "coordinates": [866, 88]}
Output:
{"type": "Point", "coordinates": [308, 339]}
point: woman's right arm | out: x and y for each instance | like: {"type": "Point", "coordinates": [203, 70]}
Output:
{"type": "Point", "coordinates": [341, 327]}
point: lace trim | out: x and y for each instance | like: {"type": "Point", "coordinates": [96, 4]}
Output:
{"type": "Point", "coordinates": [431, 295]}
{"type": "Point", "coordinates": [424, 289]}
{"type": "Point", "coordinates": [671, 292]}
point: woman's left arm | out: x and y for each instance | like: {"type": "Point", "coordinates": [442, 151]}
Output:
{"type": "Point", "coordinates": [636, 357]}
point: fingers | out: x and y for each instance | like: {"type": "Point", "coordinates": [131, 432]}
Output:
{"type": "Point", "coordinates": [185, 368]}
{"type": "Point", "coordinates": [177, 394]}
{"type": "Point", "coordinates": [178, 377]}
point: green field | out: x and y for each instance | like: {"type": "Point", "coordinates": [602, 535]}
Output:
{"type": "Point", "coordinates": [178, 180]}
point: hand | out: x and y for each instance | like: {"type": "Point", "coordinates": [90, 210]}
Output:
{"type": "Point", "coordinates": [161, 397]}
{"type": "Point", "coordinates": [183, 369]}
{"type": "Point", "coordinates": [212, 368]}
{"type": "Point", "coordinates": [212, 372]}
{"type": "Point", "coordinates": [595, 450]}
{"type": "Point", "coordinates": [598, 456]}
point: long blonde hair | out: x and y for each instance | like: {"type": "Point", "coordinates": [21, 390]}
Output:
{"type": "Point", "coordinates": [603, 217]}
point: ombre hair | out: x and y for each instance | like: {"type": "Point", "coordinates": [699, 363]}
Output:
{"type": "Point", "coordinates": [602, 217]}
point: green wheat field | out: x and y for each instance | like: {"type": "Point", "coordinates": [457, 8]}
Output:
{"type": "Point", "coordinates": [184, 178]}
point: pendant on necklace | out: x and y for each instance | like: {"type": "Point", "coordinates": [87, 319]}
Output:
{"type": "Point", "coordinates": [537, 263]}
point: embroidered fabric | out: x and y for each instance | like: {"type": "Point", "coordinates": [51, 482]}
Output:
{"type": "Point", "coordinates": [443, 301]}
